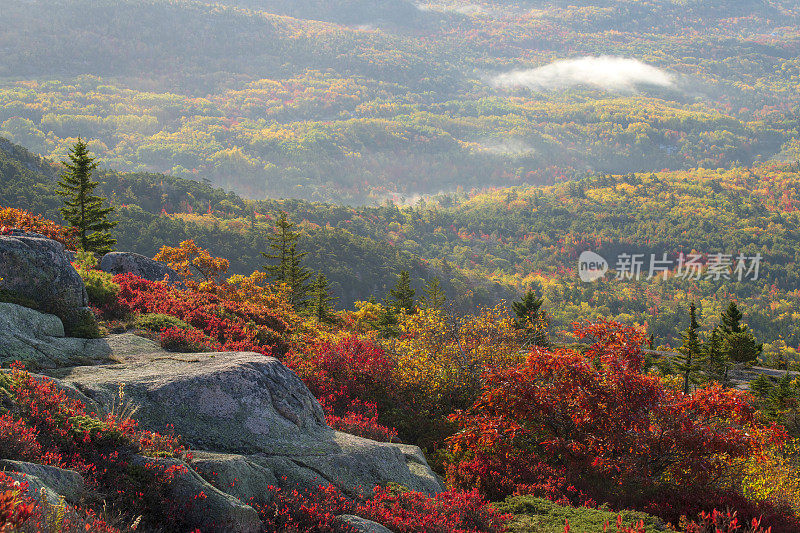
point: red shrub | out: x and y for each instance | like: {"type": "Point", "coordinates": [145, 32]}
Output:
{"type": "Point", "coordinates": [315, 511]}
{"type": "Point", "coordinates": [613, 431]}
{"type": "Point", "coordinates": [232, 325]}
{"type": "Point", "coordinates": [718, 522]}
{"type": "Point", "coordinates": [354, 381]}
{"type": "Point", "coordinates": [68, 437]}
{"type": "Point", "coordinates": [14, 510]}
{"type": "Point", "coordinates": [361, 419]}
{"type": "Point", "coordinates": [448, 512]}
{"type": "Point", "coordinates": [26, 514]}
{"type": "Point", "coordinates": [182, 340]}
{"type": "Point", "coordinates": [18, 440]}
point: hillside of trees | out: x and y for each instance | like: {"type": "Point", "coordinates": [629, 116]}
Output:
{"type": "Point", "coordinates": [155, 210]}
{"type": "Point", "coordinates": [344, 108]}
{"type": "Point", "coordinates": [489, 247]}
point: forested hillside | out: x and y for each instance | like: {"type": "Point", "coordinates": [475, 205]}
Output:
{"type": "Point", "coordinates": [493, 246]}
{"type": "Point", "coordinates": [155, 210]}
{"type": "Point", "coordinates": [376, 99]}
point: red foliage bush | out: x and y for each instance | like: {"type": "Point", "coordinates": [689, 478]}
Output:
{"type": "Point", "coordinates": [14, 510]}
{"type": "Point", "coordinates": [18, 440]}
{"type": "Point", "coordinates": [719, 522]}
{"type": "Point", "coordinates": [354, 381]}
{"type": "Point", "coordinates": [612, 431]}
{"type": "Point", "coordinates": [361, 419]}
{"type": "Point", "coordinates": [235, 326]}
{"type": "Point", "coordinates": [182, 340]}
{"type": "Point", "coordinates": [56, 430]}
{"type": "Point", "coordinates": [408, 511]}
{"type": "Point", "coordinates": [448, 512]}
{"type": "Point", "coordinates": [26, 514]}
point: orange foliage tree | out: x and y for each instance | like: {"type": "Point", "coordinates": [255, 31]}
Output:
{"type": "Point", "coordinates": [11, 218]}
{"type": "Point", "coordinates": [195, 265]}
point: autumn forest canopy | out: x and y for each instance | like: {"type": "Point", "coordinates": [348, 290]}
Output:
{"type": "Point", "coordinates": [555, 244]}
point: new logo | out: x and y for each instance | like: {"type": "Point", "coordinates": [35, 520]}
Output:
{"type": "Point", "coordinates": [591, 266]}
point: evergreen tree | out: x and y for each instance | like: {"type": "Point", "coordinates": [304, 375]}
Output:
{"type": "Point", "coordinates": [717, 363]}
{"type": "Point", "coordinates": [320, 304]}
{"type": "Point", "coordinates": [82, 208]}
{"type": "Point", "coordinates": [297, 278]}
{"type": "Point", "coordinates": [286, 262]}
{"type": "Point", "coordinates": [387, 323]}
{"type": "Point", "coordinates": [403, 294]}
{"type": "Point", "coordinates": [435, 297]}
{"type": "Point", "coordinates": [530, 318]}
{"type": "Point", "coordinates": [731, 319]}
{"type": "Point", "coordinates": [280, 244]}
{"type": "Point", "coordinates": [691, 350]}
{"type": "Point", "coordinates": [761, 387]}
{"type": "Point", "coordinates": [739, 343]}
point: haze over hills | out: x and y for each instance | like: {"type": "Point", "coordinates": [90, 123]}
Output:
{"type": "Point", "coordinates": [358, 101]}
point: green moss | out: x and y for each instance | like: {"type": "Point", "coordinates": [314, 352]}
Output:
{"type": "Point", "coordinates": [157, 322]}
{"type": "Point", "coordinates": [95, 427]}
{"type": "Point", "coordinates": [537, 515]}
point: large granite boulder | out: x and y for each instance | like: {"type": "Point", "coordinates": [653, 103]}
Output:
{"type": "Point", "coordinates": [132, 263]}
{"type": "Point", "coordinates": [37, 273]}
{"type": "Point", "coordinates": [252, 415]}
{"type": "Point", "coordinates": [38, 340]}
{"type": "Point", "coordinates": [54, 483]}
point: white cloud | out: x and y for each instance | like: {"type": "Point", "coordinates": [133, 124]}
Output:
{"type": "Point", "coordinates": [466, 9]}
{"type": "Point", "coordinates": [513, 147]}
{"type": "Point", "coordinates": [617, 74]}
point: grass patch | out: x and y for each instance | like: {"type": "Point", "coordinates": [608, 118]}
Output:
{"type": "Point", "coordinates": [537, 515]}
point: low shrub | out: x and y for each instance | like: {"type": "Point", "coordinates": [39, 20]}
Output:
{"type": "Point", "coordinates": [401, 511]}
{"type": "Point", "coordinates": [11, 218]}
{"type": "Point", "coordinates": [354, 380]}
{"type": "Point", "coordinates": [177, 339]}
{"type": "Point", "coordinates": [538, 515]}
{"type": "Point", "coordinates": [100, 286]}
{"type": "Point", "coordinates": [46, 426]}
{"type": "Point", "coordinates": [157, 322]}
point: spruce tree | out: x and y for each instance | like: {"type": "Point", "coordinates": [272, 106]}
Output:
{"type": "Point", "coordinates": [529, 317]}
{"type": "Point", "coordinates": [387, 323]}
{"type": "Point", "coordinates": [82, 208]}
{"type": "Point", "coordinates": [297, 278]}
{"type": "Point", "coordinates": [280, 244]}
{"type": "Point", "coordinates": [286, 262]}
{"type": "Point", "coordinates": [691, 350]}
{"type": "Point", "coordinates": [403, 293]}
{"type": "Point", "coordinates": [731, 319]}
{"type": "Point", "coordinates": [717, 362]}
{"type": "Point", "coordinates": [320, 302]}
{"type": "Point", "coordinates": [435, 297]}
{"type": "Point", "coordinates": [739, 343]}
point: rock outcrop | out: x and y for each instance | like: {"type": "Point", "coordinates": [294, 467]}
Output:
{"type": "Point", "coordinates": [133, 263]}
{"type": "Point", "coordinates": [215, 511]}
{"type": "Point", "coordinates": [37, 273]}
{"type": "Point", "coordinates": [251, 419]}
{"type": "Point", "coordinates": [359, 525]}
{"type": "Point", "coordinates": [37, 339]}
{"type": "Point", "coordinates": [56, 483]}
